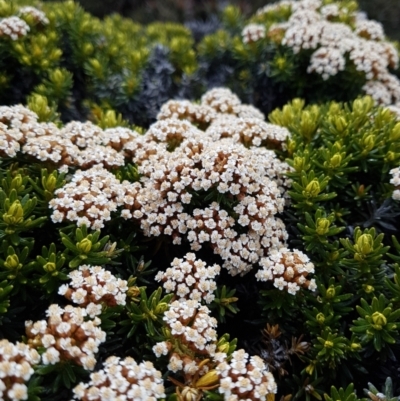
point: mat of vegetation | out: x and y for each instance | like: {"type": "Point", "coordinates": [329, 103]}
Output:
{"type": "Point", "coordinates": [166, 240]}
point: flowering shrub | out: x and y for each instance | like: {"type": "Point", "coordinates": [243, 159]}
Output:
{"type": "Point", "coordinates": [213, 253]}
{"type": "Point", "coordinates": [115, 72]}
{"type": "Point", "coordinates": [245, 220]}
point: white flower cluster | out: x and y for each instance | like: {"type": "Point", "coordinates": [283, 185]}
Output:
{"type": "Point", "coordinates": [92, 287]}
{"type": "Point", "coordinates": [177, 161]}
{"type": "Point", "coordinates": [190, 279]}
{"type": "Point", "coordinates": [221, 100]}
{"type": "Point", "coordinates": [13, 27]}
{"type": "Point", "coordinates": [16, 361]}
{"type": "Point", "coordinates": [76, 144]}
{"type": "Point", "coordinates": [38, 16]}
{"type": "Point", "coordinates": [234, 172]}
{"type": "Point", "coordinates": [244, 377]}
{"type": "Point", "coordinates": [122, 380]}
{"type": "Point", "coordinates": [312, 26]}
{"type": "Point", "coordinates": [91, 197]}
{"type": "Point", "coordinates": [288, 270]}
{"type": "Point", "coordinates": [369, 29]}
{"type": "Point", "coordinates": [249, 131]}
{"type": "Point", "coordinates": [253, 32]}
{"type": "Point", "coordinates": [191, 325]}
{"type": "Point", "coordinates": [197, 114]}
{"type": "Point", "coordinates": [67, 335]}
{"type": "Point", "coordinates": [395, 180]}
{"type": "Point", "coordinates": [17, 124]}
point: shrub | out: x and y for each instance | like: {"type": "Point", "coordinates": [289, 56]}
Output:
{"type": "Point", "coordinates": [285, 249]}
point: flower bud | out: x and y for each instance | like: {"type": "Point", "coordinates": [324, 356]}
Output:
{"type": "Point", "coordinates": [336, 160]}
{"type": "Point", "coordinates": [355, 346]}
{"type": "Point", "coordinates": [368, 143]}
{"type": "Point", "coordinates": [16, 181]}
{"type": "Point", "coordinates": [133, 292]}
{"type": "Point", "coordinates": [390, 156]}
{"type": "Point", "coordinates": [379, 320]}
{"type": "Point", "coordinates": [365, 244]}
{"type": "Point", "coordinates": [85, 245]}
{"type": "Point", "coordinates": [368, 288]}
{"type": "Point", "coordinates": [328, 344]}
{"type": "Point", "coordinates": [12, 262]}
{"type": "Point", "coordinates": [50, 267]}
{"type": "Point", "coordinates": [299, 163]}
{"type": "Point", "coordinates": [190, 394]}
{"type": "Point", "coordinates": [340, 123]}
{"type": "Point", "coordinates": [209, 379]}
{"type": "Point", "coordinates": [395, 134]}
{"type": "Point", "coordinates": [322, 226]}
{"type": "Point", "coordinates": [15, 214]}
{"type": "Point", "coordinates": [312, 189]}
{"type": "Point", "coordinates": [330, 292]}
{"type": "Point", "coordinates": [49, 183]}
{"type": "Point", "coordinates": [320, 318]}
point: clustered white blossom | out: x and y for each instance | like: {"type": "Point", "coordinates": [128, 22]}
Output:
{"type": "Point", "coordinates": [90, 197]}
{"type": "Point", "coordinates": [38, 16]}
{"type": "Point", "coordinates": [76, 144]}
{"type": "Point", "coordinates": [13, 27]}
{"type": "Point", "coordinates": [16, 361]}
{"type": "Point", "coordinates": [253, 33]}
{"type": "Point", "coordinates": [249, 131]}
{"type": "Point", "coordinates": [221, 100]}
{"type": "Point", "coordinates": [244, 377]}
{"type": "Point", "coordinates": [288, 270]}
{"type": "Point", "coordinates": [190, 279]}
{"type": "Point", "coordinates": [312, 26]}
{"type": "Point", "coordinates": [395, 180]}
{"type": "Point", "coordinates": [228, 168]}
{"type": "Point", "coordinates": [92, 287]}
{"type": "Point", "coordinates": [177, 161]}
{"type": "Point", "coordinates": [67, 335]}
{"type": "Point", "coordinates": [196, 114]}
{"type": "Point", "coordinates": [122, 380]}
{"type": "Point", "coordinates": [192, 327]}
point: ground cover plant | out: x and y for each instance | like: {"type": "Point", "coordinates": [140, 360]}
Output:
{"type": "Point", "coordinates": [210, 255]}
{"type": "Point", "coordinates": [82, 67]}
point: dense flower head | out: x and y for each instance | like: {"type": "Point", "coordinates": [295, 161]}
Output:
{"type": "Point", "coordinates": [16, 124]}
{"type": "Point", "coordinates": [90, 197]}
{"type": "Point", "coordinates": [312, 26]}
{"type": "Point", "coordinates": [222, 100]}
{"type": "Point", "coordinates": [16, 361]}
{"type": "Point", "coordinates": [249, 131]}
{"type": "Point", "coordinates": [77, 144]}
{"type": "Point", "coordinates": [92, 287]}
{"type": "Point", "coordinates": [227, 168]}
{"type": "Point", "coordinates": [244, 377]}
{"type": "Point", "coordinates": [118, 137]}
{"type": "Point", "coordinates": [13, 27]}
{"type": "Point", "coordinates": [253, 33]}
{"type": "Point", "coordinates": [395, 180]}
{"type": "Point", "coordinates": [171, 131]}
{"type": "Point", "coordinates": [122, 380]}
{"type": "Point", "coordinates": [67, 335]}
{"type": "Point", "coordinates": [191, 324]}
{"type": "Point", "coordinates": [199, 115]}
{"type": "Point", "coordinates": [190, 279]}
{"type": "Point", "coordinates": [288, 270]}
